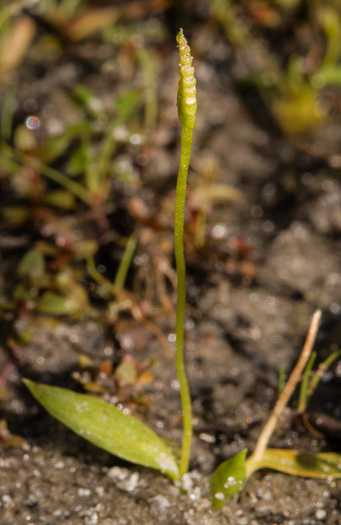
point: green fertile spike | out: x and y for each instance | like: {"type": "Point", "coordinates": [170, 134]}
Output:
{"type": "Point", "coordinates": [187, 107]}
{"type": "Point", "coordinates": [187, 92]}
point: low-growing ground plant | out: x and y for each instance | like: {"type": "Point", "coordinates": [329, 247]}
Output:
{"type": "Point", "coordinates": [125, 436]}
{"type": "Point", "coordinates": [294, 93]}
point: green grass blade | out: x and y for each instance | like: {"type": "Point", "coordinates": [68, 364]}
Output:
{"type": "Point", "coordinates": [123, 268]}
{"type": "Point", "coordinates": [303, 397]}
{"type": "Point", "coordinates": [107, 427]}
{"type": "Point", "coordinates": [316, 378]}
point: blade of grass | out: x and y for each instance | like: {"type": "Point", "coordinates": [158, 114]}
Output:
{"type": "Point", "coordinates": [126, 107]}
{"type": "Point", "coordinates": [125, 261]}
{"type": "Point", "coordinates": [303, 397]}
{"type": "Point", "coordinates": [7, 110]}
{"type": "Point", "coordinates": [317, 376]}
{"type": "Point", "coordinates": [52, 174]}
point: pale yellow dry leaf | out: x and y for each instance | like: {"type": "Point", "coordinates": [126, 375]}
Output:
{"type": "Point", "coordinates": [15, 44]}
{"type": "Point", "coordinates": [90, 22]}
{"type": "Point", "coordinates": [205, 196]}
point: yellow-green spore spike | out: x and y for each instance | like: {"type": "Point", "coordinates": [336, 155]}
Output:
{"type": "Point", "coordinates": [187, 91]}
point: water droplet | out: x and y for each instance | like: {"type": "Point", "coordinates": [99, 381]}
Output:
{"type": "Point", "coordinates": [135, 139]}
{"type": "Point", "coordinates": [270, 300]}
{"type": "Point", "coordinates": [268, 226]}
{"type": "Point", "coordinates": [335, 308]}
{"type": "Point", "coordinates": [219, 231]}
{"type": "Point", "coordinates": [32, 122]}
{"type": "Point", "coordinates": [256, 211]}
{"type": "Point", "coordinates": [318, 81]}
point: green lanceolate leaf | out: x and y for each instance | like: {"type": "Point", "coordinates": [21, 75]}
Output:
{"type": "Point", "coordinates": [107, 427]}
{"type": "Point", "coordinates": [54, 304]}
{"type": "Point", "coordinates": [228, 479]}
{"type": "Point", "coordinates": [321, 465]}
{"type": "Point", "coordinates": [32, 265]}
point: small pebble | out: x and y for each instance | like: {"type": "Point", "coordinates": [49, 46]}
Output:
{"type": "Point", "coordinates": [129, 484]}
{"type": "Point", "coordinates": [118, 474]}
{"type": "Point", "coordinates": [320, 514]}
{"type": "Point", "coordinates": [84, 493]}
{"type": "Point", "coordinates": [161, 502]}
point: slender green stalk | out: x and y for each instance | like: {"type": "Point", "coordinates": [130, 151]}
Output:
{"type": "Point", "coordinates": [187, 106]}
{"type": "Point", "coordinates": [186, 141]}
{"type": "Point", "coordinates": [302, 400]}
{"type": "Point", "coordinates": [317, 376]}
{"type": "Point", "coordinates": [125, 262]}
{"type": "Point", "coordinates": [311, 381]}
{"type": "Point", "coordinates": [281, 380]}
{"type": "Point", "coordinates": [149, 66]}
{"type": "Point", "coordinates": [7, 107]}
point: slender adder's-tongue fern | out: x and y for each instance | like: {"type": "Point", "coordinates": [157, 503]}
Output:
{"type": "Point", "coordinates": [101, 423]}
{"type": "Point", "coordinates": [126, 436]}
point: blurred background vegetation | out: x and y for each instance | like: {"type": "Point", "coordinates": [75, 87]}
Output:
{"type": "Point", "coordinates": [89, 134]}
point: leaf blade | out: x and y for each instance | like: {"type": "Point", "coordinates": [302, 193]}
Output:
{"type": "Point", "coordinates": [228, 479]}
{"type": "Point", "coordinates": [107, 427]}
{"type": "Point", "coordinates": [321, 465]}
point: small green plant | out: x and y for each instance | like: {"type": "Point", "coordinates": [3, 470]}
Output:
{"type": "Point", "coordinates": [232, 474]}
{"type": "Point", "coordinates": [187, 108]}
{"type": "Point", "coordinates": [311, 379]}
{"type": "Point", "coordinates": [125, 436]}
{"type": "Point", "coordinates": [105, 425]}
{"type": "Point", "coordinates": [292, 93]}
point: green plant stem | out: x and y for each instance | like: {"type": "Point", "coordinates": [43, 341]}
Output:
{"type": "Point", "coordinates": [7, 110]}
{"type": "Point", "coordinates": [125, 262]}
{"type": "Point", "coordinates": [302, 400]}
{"type": "Point", "coordinates": [186, 144]}
{"type": "Point", "coordinates": [317, 376]}
{"type": "Point", "coordinates": [149, 65]}
{"type": "Point", "coordinates": [281, 380]}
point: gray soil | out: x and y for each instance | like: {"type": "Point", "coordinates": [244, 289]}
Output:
{"type": "Point", "coordinates": [248, 314]}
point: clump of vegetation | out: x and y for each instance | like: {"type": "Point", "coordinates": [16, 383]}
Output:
{"type": "Point", "coordinates": [127, 437]}
{"type": "Point", "coordinates": [295, 88]}
{"type": "Point", "coordinates": [64, 185]}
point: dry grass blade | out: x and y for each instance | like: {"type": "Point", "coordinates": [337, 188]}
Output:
{"type": "Point", "coordinates": [90, 22]}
